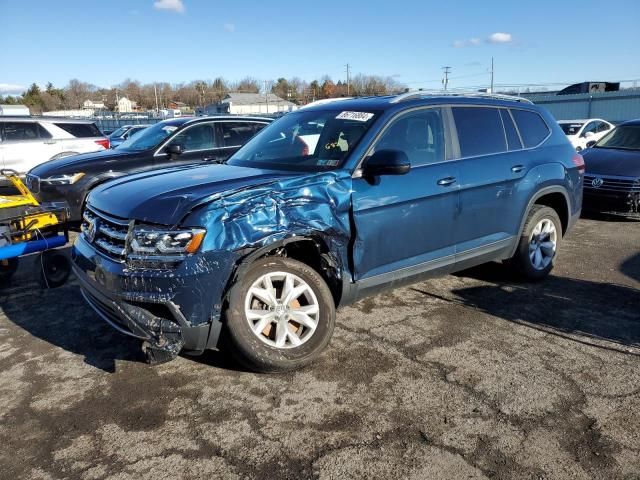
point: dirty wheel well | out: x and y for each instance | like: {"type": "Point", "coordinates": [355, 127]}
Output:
{"type": "Point", "coordinates": [558, 202]}
{"type": "Point", "coordinates": [316, 255]}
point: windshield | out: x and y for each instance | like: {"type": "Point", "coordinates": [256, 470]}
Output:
{"type": "Point", "coordinates": [306, 140]}
{"type": "Point", "coordinates": [119, 132]}
{"type": "Point", "coordinates": [149, 137]}
{"type": "Point", "coordinates": [571, 128]}
{"type": "Point", "coordinates": [625, 137]}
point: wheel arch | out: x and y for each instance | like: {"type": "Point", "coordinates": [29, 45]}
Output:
{"type": "Point", "coordinates": [553, 196]}
{"type": "Point", "coordinates": [311, 249]}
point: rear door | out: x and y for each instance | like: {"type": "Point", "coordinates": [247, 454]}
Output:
{"type": "Point", "coordinates": [232, 135]}
{"type": "Point", "coordinates": [492, 164]}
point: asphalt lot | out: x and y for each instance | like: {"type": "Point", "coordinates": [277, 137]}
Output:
{"type": "Point", "coordinates": [469, 376]}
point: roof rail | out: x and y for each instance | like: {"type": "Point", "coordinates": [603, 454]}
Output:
{"type": "Point", "coordinates": [443, 93]}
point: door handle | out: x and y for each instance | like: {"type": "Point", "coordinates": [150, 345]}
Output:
{"type": "Point", "coordinates": [50, 142]}
{"type": "Point", "coordinates": [445, 182]}
{"type": "Point", "coordinates": [517, 168]}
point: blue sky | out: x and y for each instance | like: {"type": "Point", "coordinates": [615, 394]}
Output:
{"type": "Point", "coordinates": [104, 42]}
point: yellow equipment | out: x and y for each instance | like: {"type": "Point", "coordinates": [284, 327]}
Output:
{"type": "Point", "coordinates": [28, 227]}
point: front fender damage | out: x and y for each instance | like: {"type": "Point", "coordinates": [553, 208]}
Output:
{"type": "Point", "coordinates": [243, 225]}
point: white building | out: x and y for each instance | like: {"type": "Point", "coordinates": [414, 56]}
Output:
{"type": "Point", "coordinates": [14, 110]}
{"type": "Point", "coordinates": [125, 105]}
{"type": "Point", "coordinates": [91, 105]}
{"type": "Point", "coordinates": [250, 104]}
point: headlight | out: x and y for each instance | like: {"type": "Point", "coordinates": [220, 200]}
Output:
{"type": "Point", "coordinates": [69, 179]}
{"type": "Point", "coordinates": [146, 241]}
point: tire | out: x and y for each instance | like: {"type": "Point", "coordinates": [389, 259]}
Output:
{"type": "Point", "coordinates": [264, 350]}
{"type": "Point", "coordinates": [526, 260]}
{"type": "Point", "coordinates": [52, 269]}
{"type": "Point", "coordinates": [8, 268]}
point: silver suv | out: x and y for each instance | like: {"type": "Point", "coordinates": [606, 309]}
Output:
{"type": "Point", "coordinates": [29, 141]}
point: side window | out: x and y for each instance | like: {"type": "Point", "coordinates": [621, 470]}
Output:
{"type": "Point", "coordinates": [480, 131]}
{"type": "Point", "coordinates": [591, 127]}
{"type": "Point", "coordinates": [80, 130]}
{"type": "Point", "coordinates": [198, 137]}
{"type": "Point", "coordinates": [44, 133]}
{"type": "Point", "coordinates": [21, 131]}
{"type": "Point", "coordinates": [602, 127]}
{"type": "Point", "coordinates": [419, 134]}
{"type": "Point", "coordinates": [532, 127]}
{"type": "Point", "coordinates": [513, 140]}
{"type": "Point", "coordinates": [236, 134]}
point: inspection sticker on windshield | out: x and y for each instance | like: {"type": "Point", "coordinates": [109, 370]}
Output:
{"type": "Point", "coordinates": [359, 116]}
{"type": "Point", "coordinates": [170, 128]}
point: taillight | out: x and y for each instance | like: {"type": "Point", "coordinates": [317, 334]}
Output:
{"type": "Point", "coordinates": [578, 161]}
{"type": "Point", "coordinates": [104, 142]}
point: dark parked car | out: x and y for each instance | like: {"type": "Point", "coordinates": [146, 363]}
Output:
{"type": "Point", "coordinates": [376, 193]}
{"type": "Point", "coordinates": [612, 179]}
{"type": "Point", "coordinates": [123, 133]}
{"type": "Point", "coordinates": [179, 141]}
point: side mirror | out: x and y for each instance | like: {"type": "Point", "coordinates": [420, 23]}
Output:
{"type": "Point", "coordinates": [387, 162]}
{"type": "Point", "coordinates": [173, 149]}
{"type": "Point", "coordinates": [591, 143]}
{"type": "Point", "coordinates": [589, 135]}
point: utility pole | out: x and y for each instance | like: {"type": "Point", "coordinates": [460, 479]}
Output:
{"type": "Point", "coordinates": [445, 80]}
{"type": "Point", "coordinates": [491, 90]}
{"type": "Point", "coordinates": [155, 92]}
{"type": "Point", "coordinates": [348, 79]}
{"type": "Point", "coordinates": [266, 96]}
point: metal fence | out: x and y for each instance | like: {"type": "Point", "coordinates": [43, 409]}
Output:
{"type": "Point", "coordinates": [107, 125]}
{"type": "Point", "coordinates": [615, 107]}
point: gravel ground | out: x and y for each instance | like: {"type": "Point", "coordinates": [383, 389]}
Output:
{"type": "Point", "coordinates": [468, 376]}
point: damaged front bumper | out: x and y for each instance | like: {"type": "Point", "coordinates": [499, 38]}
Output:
{"type": "Point", "coordinates": [615, 203]}
{"type": "Point", "coordinates": [168, 309]}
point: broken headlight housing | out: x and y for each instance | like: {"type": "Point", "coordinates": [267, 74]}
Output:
{"type": "Point", "coordinates": [152, 242]}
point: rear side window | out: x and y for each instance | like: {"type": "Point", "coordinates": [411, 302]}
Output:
{"type": "Point", "coordinates": [480, 131]}
{"type": "Point", "coordinates": [533, 128]}
{"type": "Point", "coordinates": [21, 131]}
{"type": "Point", "coordinates": [80, 130]}
{"type": "Point", "coordinates": [513, 141]}
{"type": "Point", "coordinates": [236, 134]}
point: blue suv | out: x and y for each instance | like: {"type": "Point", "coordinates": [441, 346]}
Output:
{"type": "Point", "coordinates": [323, 207]}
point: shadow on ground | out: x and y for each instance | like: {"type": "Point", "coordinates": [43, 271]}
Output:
{"type": "Point", "coordinates": [61, 317]}
{"type": "Point", "coordinates": [603, 311]}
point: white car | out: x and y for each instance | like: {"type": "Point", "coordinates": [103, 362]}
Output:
{"type": "Point", "coordinates": [29, 141]}
{"type": "Point", "coordinates": [581, 132]}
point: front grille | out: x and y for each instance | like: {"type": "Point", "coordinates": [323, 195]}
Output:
{"type": "Point", "coordinates": [106, 233]}
{"type": "Point", "coordinates": [612, 184]}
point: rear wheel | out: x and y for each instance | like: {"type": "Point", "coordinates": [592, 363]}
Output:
{"type": "Point", "coordinates": [539, 243]}
{"type": "Point", "coordinates": [280, 316]}
{"type": "Point", "coordinates": [52, 269]}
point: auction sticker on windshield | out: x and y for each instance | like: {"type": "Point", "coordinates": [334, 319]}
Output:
{"type": "Point", "coordinates": [170, 128]}
{"type": "Point", "coordinates": [359, 116]}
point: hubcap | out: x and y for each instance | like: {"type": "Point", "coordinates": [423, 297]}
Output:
{"type": "Point", "coordinates": [542, 244]}
{"type": "Point", "coordinates": [282, 310]}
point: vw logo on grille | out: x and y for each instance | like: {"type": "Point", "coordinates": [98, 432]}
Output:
{"type": "Point", "coordinates": [597, 182]}
{"type": "Point", "coordinates": [92, 229]}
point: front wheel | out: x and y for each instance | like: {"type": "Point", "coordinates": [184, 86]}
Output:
{"type": "Point", "coordinates": [538, 244]}
{"type": "Point", "coordinates": [280, 316]}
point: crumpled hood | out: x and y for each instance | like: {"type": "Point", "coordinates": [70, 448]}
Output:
{"type": "Point", "coordinates": [166, 196]}
{"type": "Point", "coordinates": [610, 161]}
{"type": "Point", "coordinates": [78, 163]}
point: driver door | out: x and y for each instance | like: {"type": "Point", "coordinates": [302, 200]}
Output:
{"type": "Point", "coordinates": [405, 223]}
{"type": "Point", "coordinates": [198, 143]}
